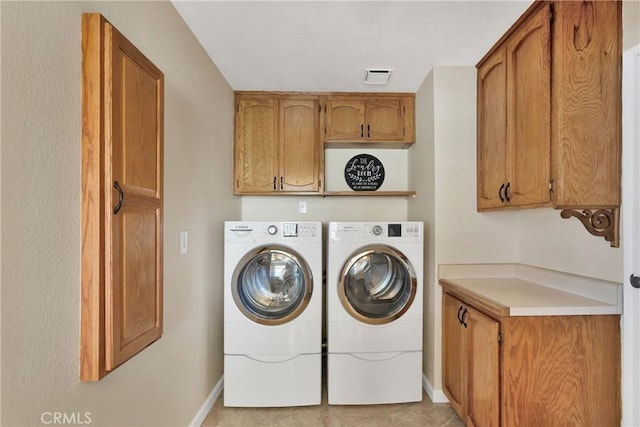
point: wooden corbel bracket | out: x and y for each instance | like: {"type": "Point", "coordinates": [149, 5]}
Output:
{"type": "Point", "coordinates": [599, 222]}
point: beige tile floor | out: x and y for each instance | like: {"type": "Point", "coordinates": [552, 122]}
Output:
{"type": "Point", "coordinates": [424, 414]}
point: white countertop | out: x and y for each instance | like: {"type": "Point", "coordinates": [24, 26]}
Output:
{"type": "Point", "coordinates": [530, 291]}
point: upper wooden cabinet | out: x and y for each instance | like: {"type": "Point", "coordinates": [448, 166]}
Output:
{"type": "Point", "coordinates": [376, 118]}
{"type": "Point", "coordinates": [514, 144]}
{"type": "Point", "coordinates": [549, 113]}
{"type": "Point", "coordinates": [277, 144]}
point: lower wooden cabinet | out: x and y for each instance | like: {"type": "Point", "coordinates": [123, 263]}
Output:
{"type": "Point", "coordinates": [530, 370]}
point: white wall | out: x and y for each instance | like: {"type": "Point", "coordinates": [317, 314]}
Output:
{"type": "Point", "coordinates": [422, 208]}
{"type": "Point", "coordinates": [41, 227]}
{"type": "Point", "coordinates": [446, 109]}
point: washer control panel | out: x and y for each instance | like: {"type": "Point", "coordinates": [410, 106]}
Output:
{"type": "Point", "coordinates": [243, 231]}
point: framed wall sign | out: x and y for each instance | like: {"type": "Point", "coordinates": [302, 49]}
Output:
{"type": "Point", "coordinates": [364, 172]}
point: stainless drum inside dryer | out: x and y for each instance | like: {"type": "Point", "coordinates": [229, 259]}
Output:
{"type": "Point", "coordinates": [272, 285]}
{"type": "Point", "coordinates": [377, 284]}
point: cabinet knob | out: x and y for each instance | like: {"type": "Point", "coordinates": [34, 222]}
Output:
{"type": "Point", "coordinates": [635, 281]}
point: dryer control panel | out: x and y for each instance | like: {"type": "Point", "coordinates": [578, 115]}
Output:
{"type": "Point", "coordinates": [365, 231]}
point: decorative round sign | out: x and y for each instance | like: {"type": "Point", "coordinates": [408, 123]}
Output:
{"type": "Point", "coordinates": [364, 172]}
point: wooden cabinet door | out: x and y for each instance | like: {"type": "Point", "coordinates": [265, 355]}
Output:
{"type": "Point", "coordinates": [344, 120]}
{"type": "Point", "coordinates": [492, 131]}
{"type": "Point", "coordinates": [529, 111]}
{"type": "Point", "coordinates": [256, 146]}
{"type": "Point", "coordinates": [384, 120]}
{"type": "Point", "coordinates": [483, 369]}
{"type": "Point", "coordinates": [122, 199]}
{"type": "Point", "coordinates": [300, 149]}
{"type": "Point", "coordinates": [134, 292]}
{"type": "Point", "coordinates": [454, 355]}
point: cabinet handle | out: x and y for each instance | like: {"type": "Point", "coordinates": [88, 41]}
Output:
{"type": "Point", "coordinates": [274, 183]}
{"type": "Point", "coordinates": [368, 131]}
{"type": "Point", "coordinates": [464, 315]}
{"type": "Point", "coordinates": [361, 131]}
{"type": "Point", "coordinates": [459, 317]}
{"type": "Point", "coordinates": [635, 281]}
{"type": "Point", "coordinates": [500, 193]}
{"type": "Point", "coordinates": [281, 183]}
{"type": "Point", "coordinates": [116, 209]}
{"type": "Point", "coordinates": [506, 192]}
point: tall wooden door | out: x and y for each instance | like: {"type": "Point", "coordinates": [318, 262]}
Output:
{"type": "Point", "coordinates": [529, 107]}
{"type": "Point", "coordinates": [134, 292]}
{"type": "Point", "coordinates": [122, 199]}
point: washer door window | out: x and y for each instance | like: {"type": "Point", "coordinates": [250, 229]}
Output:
{"type": "Point", "coordinates": [377, 284]}
{"type": "Point", "coordinates": [272, 285]}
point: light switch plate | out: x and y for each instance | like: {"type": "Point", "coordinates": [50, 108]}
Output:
{"type": "Point", "coordinates": [184, 242]}
{"type": "Point", "coordinates": [302, 206]}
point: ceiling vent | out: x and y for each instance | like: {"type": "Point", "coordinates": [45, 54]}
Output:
{"type": "Point", "coordinates": [377, 76]}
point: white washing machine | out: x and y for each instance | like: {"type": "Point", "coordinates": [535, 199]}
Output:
{"type": "Point", "coordinates": [272, 313]}
{"type": "Point", "coordinates": [374, 312]}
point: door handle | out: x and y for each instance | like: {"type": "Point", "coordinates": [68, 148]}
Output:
{"type": "Point", "coordinates": [464, 314]}
{"type": "Point", "coordinates": [361, 131]}
{"type": "Point", "coordinates": [460, 317]}
{"type": "Point", "coordinates": [274, 182]}
{"type": "Point", "coordinates": [117, 207]}
{"type": "Point", "coordinates": [506, 192]}
{"type": "Point", "coordinates": [635, 281]}
{"type": "Point", "coordinates": [500, 193]}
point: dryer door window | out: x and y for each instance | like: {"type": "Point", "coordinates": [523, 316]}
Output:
{"type": "Point", "coordinates": [377, 284]}
{"type": "Point", "coordinates": [272, 286]}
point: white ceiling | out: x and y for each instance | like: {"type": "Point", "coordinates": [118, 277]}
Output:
{"type": "Point", "coordinates": [328, 45]}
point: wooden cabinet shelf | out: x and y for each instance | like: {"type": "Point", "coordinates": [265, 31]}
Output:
{"type": "Point", "coordinates": [371, 193]}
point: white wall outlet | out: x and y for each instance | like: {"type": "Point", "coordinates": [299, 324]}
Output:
{"type": "Point", "coordinates": [184, 242]}
{"type": "Point", "coordinates": [302, 206]}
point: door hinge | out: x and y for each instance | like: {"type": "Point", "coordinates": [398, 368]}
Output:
{"type": "Point", "coordinates": [551, 186]}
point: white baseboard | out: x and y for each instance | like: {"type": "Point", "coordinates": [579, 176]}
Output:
{"type": "Point", "coordinates": [436, 396]}
{"type": "Point", "coordinates": [208, 404]}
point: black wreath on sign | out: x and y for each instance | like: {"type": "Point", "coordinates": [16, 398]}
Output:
{"type": "Point", "coordinates": [364, 172]}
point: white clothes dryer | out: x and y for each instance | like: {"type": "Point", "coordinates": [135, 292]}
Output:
{"type": "Point", "coordinates": [374, 312]}
{"type": "Point", "coordinates": [272, 313]}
